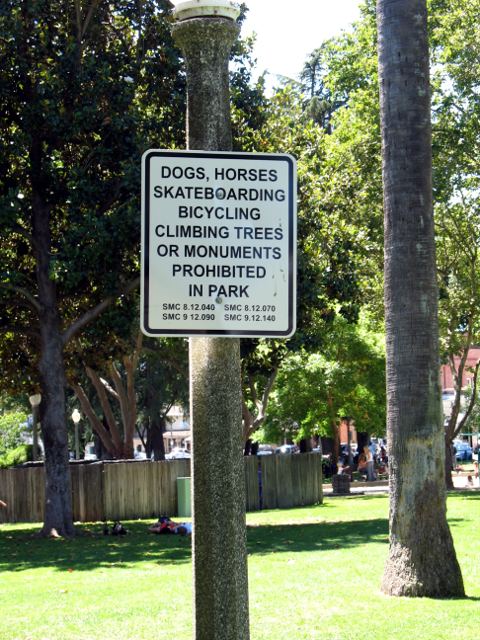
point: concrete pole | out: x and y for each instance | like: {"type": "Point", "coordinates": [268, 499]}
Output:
{"type": "Point", "coordinates": [35, 433]}
{"type": "Point", "coordinates": [77, 442]}
{"type": "Point", "coordinates": [219, 534]}
{"type": "Point", "coordinates": [35, 403]}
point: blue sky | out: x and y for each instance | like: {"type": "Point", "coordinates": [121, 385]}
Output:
{"type": "Point", "coordinates": [285, 38]}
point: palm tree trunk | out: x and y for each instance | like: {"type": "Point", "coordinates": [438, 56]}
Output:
{"type": "Point", "coordinates": [422, 559]}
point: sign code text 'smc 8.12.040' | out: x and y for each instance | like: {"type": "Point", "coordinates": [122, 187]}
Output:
{"type": "Point", "coordinates": [218, 243]}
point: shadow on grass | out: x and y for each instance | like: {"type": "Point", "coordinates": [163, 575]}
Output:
{"type": "Point", "coordinates": [316, 536]}
{"type": "Point", "coordinates": [464, 494]}
{"type": "Point", "coordinates": [90, 549]}
{"type": "Point", "coordinates": [20, 549]}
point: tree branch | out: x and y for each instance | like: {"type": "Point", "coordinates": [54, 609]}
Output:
{"type": "Point", "coordinates": [88, 17]}
{"type": "Point", "coordinates": [122, 396]}
{"type": "Point", "coordinates": [253, 390]}
{"type": "Point", "coordinates": [265, 398]}
{"type": "Point", "coordinates": [471, 403]}
{"type": "Point", "coordinates": [93, 313]}
{"type": "Point", "coordinates": [97, 425]}
{"type": "Point", "coordinates": [34, 303]}
{"type": "Point", "coordinates": [130, 368]}
{"type": "Point", "coordinates": [109, 388]}
{"type": "Point", "coordinates": [106, 408]}
{"type": "Point", "coordinates": [457, 375]}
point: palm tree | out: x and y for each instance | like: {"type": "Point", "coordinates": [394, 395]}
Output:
{"type": "Point", "coordinates": [422, 559]}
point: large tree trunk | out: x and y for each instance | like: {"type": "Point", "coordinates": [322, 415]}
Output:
{"type": "Point", "coordinates": [422, 559]}
{"type": "Point", "coordinates": [58, 497]}
{"type": "Point", "coordinates": [155, 441]}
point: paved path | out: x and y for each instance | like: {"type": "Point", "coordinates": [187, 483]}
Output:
{"type": "Point", "coordinates": [460, 481]}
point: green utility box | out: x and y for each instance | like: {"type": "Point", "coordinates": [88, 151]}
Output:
{"type": "Point", "coordinates": [184, 497]}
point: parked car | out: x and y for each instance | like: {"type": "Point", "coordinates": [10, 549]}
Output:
{"type": "Point", "coordinates": [265, 450]}
{"type": "Point", "coordinates": [287, 449]}
{"type": "Point", "coordinates": [464, 451]}
{"type": "Point", "coordinates": [178, 453]}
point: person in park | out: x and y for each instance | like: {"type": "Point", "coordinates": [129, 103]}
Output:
{"type": "Point", "coordinates": [362, 463]}
{"type": "Point", "coordinates": [3, 504]}
{"type": "Point", "coordinates": [370, 464]}
{"type": "Point", "coordinates": [344, 468]}
{"type": "Point", "coordinates": [165, 525]}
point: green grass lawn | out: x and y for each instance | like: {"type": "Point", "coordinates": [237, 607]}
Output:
{"type": "Point", "coordinates": [314, 573]}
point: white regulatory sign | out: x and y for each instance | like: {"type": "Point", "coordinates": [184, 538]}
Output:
{"type": "Point", "coordinates": [218, 244]}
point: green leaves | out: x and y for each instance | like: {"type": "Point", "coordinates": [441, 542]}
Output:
{"type": "Point", "coordinates": [12, 426]}
{"type": "Point", "coordinates": [346, 378]}
{"type": "Point", "coordinates": [82, 86]}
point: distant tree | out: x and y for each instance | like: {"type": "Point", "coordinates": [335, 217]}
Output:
{"type": "Point", "coordinates": [422, 559]}
{"type": "Point", "coordinates": [329, 262]}
{"type": "Point", "coordinates": [458, 233]}
{"type": "Point", "coordinates": [314, 390]}
{"type": "Point", "coordinates": [116, 434]}
{"type": "Point", "coordinates": [456, 145]}
{"type": "Point", "coordinates": [323, 98]}
{"type": "Point", "coordinates": [472, 424]}
{"type": "Point", "coordinates": [162, 382]}
{"type": "Point", "coordinates": [13, 447]}
{"type": "Point", "coordinates": [83, 90]}
{"type": "Point", "coordinates": [12, 429]}
{"type": "Point", "coordinates": [351, 166]}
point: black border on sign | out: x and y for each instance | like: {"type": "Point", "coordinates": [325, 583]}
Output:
{"type": "Point", "coordinates": [291, 245]}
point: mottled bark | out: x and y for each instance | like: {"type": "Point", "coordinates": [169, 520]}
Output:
{"type": "Point", "coordinates": [58, 498]}
{"type": "Point", "coordinates": [206, 44]}
{"type": "Point", "coordinates": [219, 534]}
{"type": "Point", "coordinates": [422, 559]}
{"type": "Point", "coordinates": [220, 571]}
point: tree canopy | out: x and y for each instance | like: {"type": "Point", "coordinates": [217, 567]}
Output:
{"type": "Point", "coordinates": [346, 378]}
{"type": "Point", "coordinates": [83, 88]}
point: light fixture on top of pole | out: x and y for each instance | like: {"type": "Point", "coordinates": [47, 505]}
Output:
{"type": "Point", "coordinates": [185, 9]}
{"type": "Point", "coordinates": [35, 400]}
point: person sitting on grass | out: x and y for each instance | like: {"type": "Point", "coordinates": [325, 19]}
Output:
{"type": "Point", "coordinates": [344, 468]}
{"type": "Point", "coordinates": [165, 525]}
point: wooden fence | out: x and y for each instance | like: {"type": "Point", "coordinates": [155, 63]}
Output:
{"type": "Point", "coordinates": [143, 489]}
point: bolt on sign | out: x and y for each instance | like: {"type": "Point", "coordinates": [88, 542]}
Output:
{"type": "Point", "coordinates": [218, 244]}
